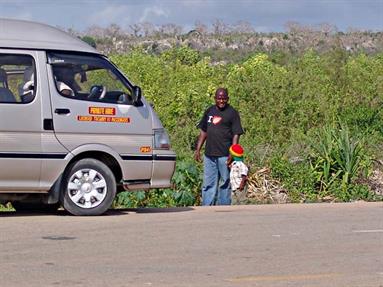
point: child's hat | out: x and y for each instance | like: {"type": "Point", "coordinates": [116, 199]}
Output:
{"type": "Point", "coordinates": [236, 150]}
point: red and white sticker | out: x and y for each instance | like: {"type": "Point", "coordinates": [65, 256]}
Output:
{"type": "Point", "coordinates": [102, 119]}
{"type": "Point", "coordinates": [102, 111]}
{"type": "Point", "coordinates": [216, 120]}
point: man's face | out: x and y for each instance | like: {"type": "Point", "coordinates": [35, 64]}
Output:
{"type": "Point", "coordinates": [221, 100]}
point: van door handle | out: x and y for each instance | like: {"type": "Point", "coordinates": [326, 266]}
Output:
{"type": "Point", "coordinates": [62, 111]}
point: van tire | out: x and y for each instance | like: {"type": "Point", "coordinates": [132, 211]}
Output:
{"type": "Point", "coordinates": [88, 187]}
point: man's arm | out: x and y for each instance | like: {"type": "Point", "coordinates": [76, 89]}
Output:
{"type": "Point", "coordinates": [235, 139]}
{"type": "Point", "coordinates": [201, 140]}
{"type": "Point", "coordinates": [236, 128]}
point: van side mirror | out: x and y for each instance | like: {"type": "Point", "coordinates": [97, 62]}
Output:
{"type": "Point", "coordinates": [136, 95]}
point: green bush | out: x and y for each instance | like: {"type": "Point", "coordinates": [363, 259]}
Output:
{"type": "Point", "coordinates": [6, 207]}
{"type": "Point", "coordinates": [187, 181]}
{"type": "Point", "coordinates": [337, 160]}
{"type": "Point", "coordinates": [89, 40]}
{"type": "Point", "coordinates": [286, 102]}
{"type": "Point", "coordinates": [153, 198]}
{"type": "Point", "coordinates": [352, 192]}
{"type": "Point", "coordinates": [297, 178]}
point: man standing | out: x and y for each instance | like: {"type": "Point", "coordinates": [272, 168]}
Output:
{"type": "Point", "coordinates": [220, 127]}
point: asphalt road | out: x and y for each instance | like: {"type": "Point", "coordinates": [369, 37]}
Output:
{"type": "Point", "coordinates": [270, 245]}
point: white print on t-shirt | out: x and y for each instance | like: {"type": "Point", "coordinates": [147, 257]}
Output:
{"type": "Point", "coordinates": [214, 119]}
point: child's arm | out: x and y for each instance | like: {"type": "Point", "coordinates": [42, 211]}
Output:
{"type": "Point", "coordinates": [229, 160]}
{"type": "Point", "coordinates": [243, 182]}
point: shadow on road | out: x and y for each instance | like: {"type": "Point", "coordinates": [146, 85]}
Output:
{"type": "Point", "coordinates": [110, 212]}
{"type": "Point", "coordinates": [148, 210]}
{"type": "Point", "coordinates": [30, 213]}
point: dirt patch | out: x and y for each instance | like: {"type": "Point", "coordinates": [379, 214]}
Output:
{"type": "Point", "coordinates": [375, 182]}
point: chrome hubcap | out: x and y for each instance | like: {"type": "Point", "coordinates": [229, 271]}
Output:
{"type": "Point", "coordinates": [87, 188]}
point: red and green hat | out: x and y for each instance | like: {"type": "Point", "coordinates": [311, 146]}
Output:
{"type": "Point", "coordinates": [236, 150]}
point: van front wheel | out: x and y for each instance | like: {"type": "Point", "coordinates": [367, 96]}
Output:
{"type": "Point", "coordinates": [89, 187]}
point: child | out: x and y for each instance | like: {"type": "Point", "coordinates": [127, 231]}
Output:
{"type": "Point", "coordinates": [238, 173]}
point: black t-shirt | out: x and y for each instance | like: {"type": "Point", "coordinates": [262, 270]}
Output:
{"type": "Point", "coordinates": [220, 126]}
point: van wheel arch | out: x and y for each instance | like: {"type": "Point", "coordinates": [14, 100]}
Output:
{"type": "Point", "coordinates": [104, 157]}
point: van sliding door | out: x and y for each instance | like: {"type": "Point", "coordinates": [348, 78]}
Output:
{"type": "Point", "coordinates": [20, 122]}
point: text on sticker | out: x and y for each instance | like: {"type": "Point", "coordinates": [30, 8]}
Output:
{"type": "Point", "coordinates": [104, 111]}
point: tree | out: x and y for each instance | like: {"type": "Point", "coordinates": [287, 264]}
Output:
{"type": "Point", "coordinates": [171, 30]}
{"type": "Point", "coordinates": [96, 31]}
{"type": "Point", "coordinates": [243, 27]}
{"type": "Point", "coordinates": [327, 29]}
{"type": "Point", "coordinates": [90, 40]}
{"type": "Point", "coordinates": [113, 31]}
{"type": "Point", "coordinates": [219, 27]}
{"type": "Point", "coordinates": [136, 28]}
{"type": "Point", "coordinates": [147, 28]}
{"type": "Point", "coordinates": [200, 28]}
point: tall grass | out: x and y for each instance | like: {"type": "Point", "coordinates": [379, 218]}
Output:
{"type": "Point", "coordinates": [336, 158]}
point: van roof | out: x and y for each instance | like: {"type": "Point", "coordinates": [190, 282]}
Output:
{"type": "Point", "coordinates": [31, 35]}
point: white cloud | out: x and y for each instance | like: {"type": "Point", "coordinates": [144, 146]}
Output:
{"type": "Point", "coordinates": [149, 12]}
{"type": "Point", "coordinates": [118, 14]}
{"type": "Point", "coordinates": [126, 14]}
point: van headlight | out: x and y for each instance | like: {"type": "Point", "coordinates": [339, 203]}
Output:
{"type": "Point", "coordinates": [161, 139]}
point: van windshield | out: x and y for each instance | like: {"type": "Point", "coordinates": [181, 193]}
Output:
{"type": "Point", "coordinates": [87, 77]}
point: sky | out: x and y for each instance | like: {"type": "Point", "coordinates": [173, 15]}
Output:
{"type": "Point", "coordinates": [263, 15]}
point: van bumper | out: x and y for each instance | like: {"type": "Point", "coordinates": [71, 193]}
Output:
{"type": "Point", "coordinates": [164, 164]}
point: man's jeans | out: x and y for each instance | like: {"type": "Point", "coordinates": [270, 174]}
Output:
{"type": "Point", "coordinates": [216, 182]}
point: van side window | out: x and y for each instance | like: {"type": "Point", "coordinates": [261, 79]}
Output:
{"type": "Point", "coordinates": [89, 78]}
{"type": "Point", "coordinates": [17, 78]}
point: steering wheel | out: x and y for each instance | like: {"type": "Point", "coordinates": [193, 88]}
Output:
{"type": "Point", "coordinates": [97, 92]}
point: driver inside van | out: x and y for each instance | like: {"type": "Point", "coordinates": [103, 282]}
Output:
{"type": "Point", "coordinates": [65, 81]}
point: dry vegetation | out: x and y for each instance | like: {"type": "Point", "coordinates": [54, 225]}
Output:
{"type": "Point", "coordinates": [240, 38]}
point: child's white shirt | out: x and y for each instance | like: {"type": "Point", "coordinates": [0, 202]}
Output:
{"type": "Point", "coordinates": [238, 168]}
